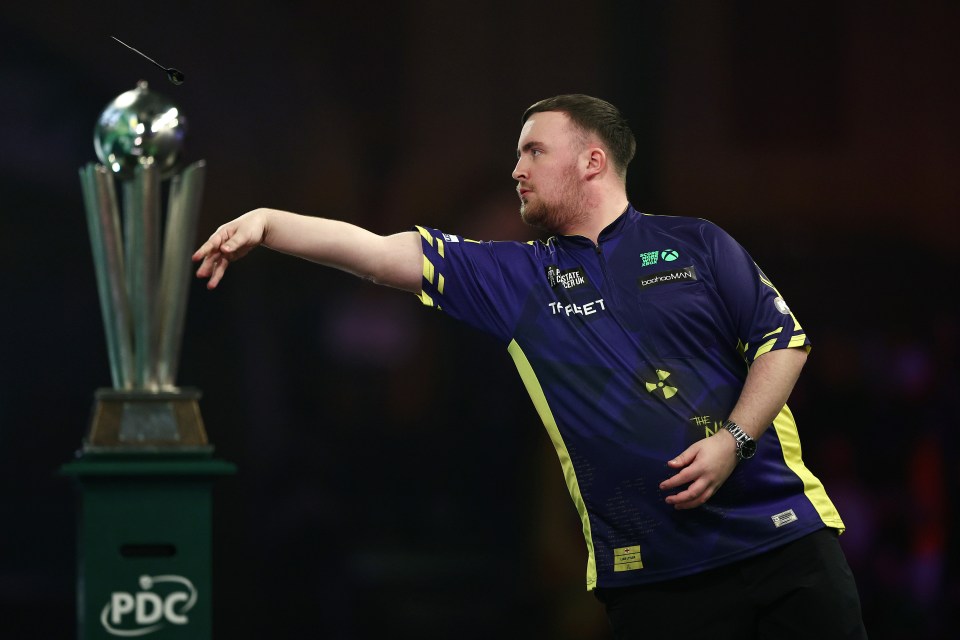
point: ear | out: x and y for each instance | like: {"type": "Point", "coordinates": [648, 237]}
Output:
{"type": "Point", "coordinates": [595, 162]}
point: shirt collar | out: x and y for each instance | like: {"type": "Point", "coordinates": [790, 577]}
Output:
{"type": "Point", "coordinates": [609, 232]}
{"type": "Point", "coordinates": [616, 227]}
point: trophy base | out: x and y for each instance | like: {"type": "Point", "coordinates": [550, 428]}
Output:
{"type": "Point", "coordinates": [145, 421]}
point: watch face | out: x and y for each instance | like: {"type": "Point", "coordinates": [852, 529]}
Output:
{"type": "Point", "coordinates": [748, 449]}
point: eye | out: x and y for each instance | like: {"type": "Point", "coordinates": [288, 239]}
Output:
{"type": "Point", "coordinates": [533, 151]}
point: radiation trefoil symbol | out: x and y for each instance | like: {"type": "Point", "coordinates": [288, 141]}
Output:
{"type": "Point", "coordinates": [668, 391]}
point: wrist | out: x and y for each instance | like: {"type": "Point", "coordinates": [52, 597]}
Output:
{"type": "Point", "coordinates": [746, 447]}
{"type": "Point", "coordinates": [264, 218]}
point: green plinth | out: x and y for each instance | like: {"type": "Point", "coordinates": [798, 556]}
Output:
{"type": "Point", "coordinates": [144, 543]}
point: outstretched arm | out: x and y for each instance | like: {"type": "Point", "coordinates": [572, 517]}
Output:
{"type": "Point", "coordinates": [395, 260]}
{"type": "Point", "coordinates": [707, 463]}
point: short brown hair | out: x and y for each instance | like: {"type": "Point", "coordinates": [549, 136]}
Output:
{"type": "Point", "coordinates": [593, 115]}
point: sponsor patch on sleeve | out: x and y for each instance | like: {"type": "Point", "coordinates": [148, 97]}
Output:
{"type": "Point", "coordinates": [781, 305]}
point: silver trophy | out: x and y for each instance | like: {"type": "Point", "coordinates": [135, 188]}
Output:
{"type": "Point", "coordinates": [143, 275]}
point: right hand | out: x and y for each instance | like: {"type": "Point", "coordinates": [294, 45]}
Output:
{"type": "Point", "coordinates": [703, 467]}
{"type": "Point", "coordinates": [229, 243]}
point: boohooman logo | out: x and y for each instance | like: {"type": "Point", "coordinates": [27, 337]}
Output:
{"type": "Point", "coordinates": [130, 615]}
{"type": "Point", "coordinates": [677, 275]}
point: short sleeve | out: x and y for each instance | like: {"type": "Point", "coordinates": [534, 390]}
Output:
{"type": "Point", "coordinates": [763, 319]}
{"type": "Point", "coordinates": [483, 284]}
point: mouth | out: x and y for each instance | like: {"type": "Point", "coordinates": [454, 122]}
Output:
{"type": "Point", "coordinates": [522, 192]}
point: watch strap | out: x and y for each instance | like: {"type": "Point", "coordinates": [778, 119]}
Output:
{"type": "Point", "coordinates": [746, 446]}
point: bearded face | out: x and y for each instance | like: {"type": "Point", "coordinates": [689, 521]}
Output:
{"type": "Point", "coordinates": [555, 205]}
{"type": "Point", "coordinates": [549, 183]}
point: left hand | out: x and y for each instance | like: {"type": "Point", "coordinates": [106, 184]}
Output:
{"type": "Point", "coordinates": [704, 467]}
{"type": "Point", "coordinates": [229, 243]}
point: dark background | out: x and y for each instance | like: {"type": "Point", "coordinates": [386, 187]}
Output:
{"type": "Point", "coordinates": [394, 479]}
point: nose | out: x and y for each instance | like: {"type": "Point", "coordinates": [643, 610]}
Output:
{"type": "Point", "coordinates": [520, 171]}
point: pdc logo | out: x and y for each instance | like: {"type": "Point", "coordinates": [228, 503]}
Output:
{"type": "Point", "coordinates": [130, 615]}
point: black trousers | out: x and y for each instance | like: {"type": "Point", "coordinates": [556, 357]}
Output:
{"type": "Point", "coordinates": [802, 590]}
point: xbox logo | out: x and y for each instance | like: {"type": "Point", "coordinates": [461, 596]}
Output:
{"type": "Point", "coordinates": [669, 255]}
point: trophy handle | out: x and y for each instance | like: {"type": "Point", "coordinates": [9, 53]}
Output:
{"type": "Point", "coordinates": [186, 191]}
{"type": "Point", "coordinates": [103, 222]}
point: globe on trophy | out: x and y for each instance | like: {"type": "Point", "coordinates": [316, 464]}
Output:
{"type": "Point", "coordinates": [142, 263]}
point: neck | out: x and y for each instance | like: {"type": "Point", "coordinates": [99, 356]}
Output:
{"type": "Point", "coordinates": [600, 214]}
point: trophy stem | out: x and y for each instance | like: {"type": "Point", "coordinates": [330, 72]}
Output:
{"type": "Point", "coordinates": [103, 222]}
{"type": "Point", "coordinates": [183, 209]}
{"type": "Point", "coordinates": [141, 226]}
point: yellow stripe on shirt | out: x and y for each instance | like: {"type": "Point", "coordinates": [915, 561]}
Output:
{"type": "Point", "coordinates": [426, 235]}
{"type": "Point", "coordinates": [786, 429]}
{"type": "Point", "coordinates": [428, 269]}
{"type": "Point", "coordinates": [530, 381]}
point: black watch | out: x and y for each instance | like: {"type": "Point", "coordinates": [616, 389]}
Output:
{"type": "Point", "coordinates": [746, 446]}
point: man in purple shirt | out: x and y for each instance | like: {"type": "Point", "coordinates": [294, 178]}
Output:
{"type": "Point", "coordinates": [660, 359]}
